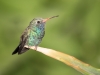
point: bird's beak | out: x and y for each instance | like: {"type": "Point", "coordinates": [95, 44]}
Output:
{"type": "Point", "coordinates": [44, 20]}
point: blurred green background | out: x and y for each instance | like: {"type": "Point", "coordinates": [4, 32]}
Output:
{"type": "Point", "coordinates": [76, 32]}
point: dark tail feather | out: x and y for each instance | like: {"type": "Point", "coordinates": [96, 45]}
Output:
{"type": "Point", "coordinates": [20, 50]}
{"type": "Point", "coordinates": [15, 51]}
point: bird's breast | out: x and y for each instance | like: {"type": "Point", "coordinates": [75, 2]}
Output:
{"type": "Point", "coordinates": [35, 37]}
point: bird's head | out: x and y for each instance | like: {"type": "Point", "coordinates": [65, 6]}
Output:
{"type": "Point", "coordinates": [40, 21]}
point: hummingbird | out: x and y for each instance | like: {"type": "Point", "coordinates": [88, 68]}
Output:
{"type": "Point", "coordinates": [32, 36]}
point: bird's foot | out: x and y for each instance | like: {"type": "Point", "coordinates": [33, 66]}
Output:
{"type": "Point", "coordinates": [35, 47]}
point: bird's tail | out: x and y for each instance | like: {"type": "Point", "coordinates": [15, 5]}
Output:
{"type": "Point", "coordinates": [20, 49]}
{"type": "Point", "coordinates": [15, 51]}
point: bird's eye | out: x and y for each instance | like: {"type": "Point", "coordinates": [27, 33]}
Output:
{"type": "Point", "coordinates": [38, 21]}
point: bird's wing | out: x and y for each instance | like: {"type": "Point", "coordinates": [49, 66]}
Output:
{"type": "Point", "coordinates": [24, 36]}
{"type": "Point", "coordinates": [23, 40]}
{"type": "Point", "coordinates": [20, 48]}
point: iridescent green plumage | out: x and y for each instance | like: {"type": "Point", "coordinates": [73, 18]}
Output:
{"type": "Point", "coordinates": [32, 36]}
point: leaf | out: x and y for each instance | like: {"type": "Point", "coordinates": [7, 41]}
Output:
{"type": "Point", "coordinates": [80, 66]}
